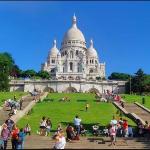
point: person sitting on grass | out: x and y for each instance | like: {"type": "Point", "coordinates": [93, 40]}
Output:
{"type": "Point", "coordinates": [27, 129]}
{"type": "Point", "coordinates": [82, 130]}
{"type": "Point", "coordinates": [95, 130]}
{"type": "Point", "coordinates": [43, 126]}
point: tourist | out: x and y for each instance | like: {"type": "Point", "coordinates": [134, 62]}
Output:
{"type": "Point", "coordinates": [122, 104]}
{"type": "Point", "coordinates": [14, 137]}
{"type": "Point", "coordinates": [113, 121]}
{"type": "Point", "coordinates": [130, 131]}
{"type": "Point", "coordinates": [70, 132]}
{"type": "Point", "coordinates": [49, 126]}
{"type": "Point", "coordinates": [146, 124]}
{"type": "Point", "coordinates": [77, 122]}
{"type": "Point", "coordinates": [15, 98]}
{"type": "Point", "coordinates": [106, 131]}
{"type": "Point", "coordinates": [21, 102]}
{"type": "Point", "coordinates": [5, 133]}
{"type": "Point", "coordinates": [125, 128]}
{"type": "Point", "coordinates": [82, 130]}
{"type": "Point", "coordinates": [27, 129]}
{"type": "Point", "coordinates": [43, 126]}
{"type": "Point", "coordinates": [86, 107]}
{"type": "Point", "coordinates": [59, 128]}
{"type": "Point", "coordinates": [60, 141]}
{"type": "Point", "coordinates": [95, 130]}
{"type": "Point", "coordinates": [112, 133]}
{"type": "Point", "coordinates": [21, 138]}
{"type": "Point", "coordinates": [9, 123]}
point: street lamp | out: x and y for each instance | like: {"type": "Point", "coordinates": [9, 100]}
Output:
{"type": "Point", "coordinates": [130, 84]}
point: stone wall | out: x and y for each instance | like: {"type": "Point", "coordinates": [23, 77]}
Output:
{"type": "Point", "coordinates": [62, 86]}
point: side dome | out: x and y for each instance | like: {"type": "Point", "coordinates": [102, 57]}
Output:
{"type": "Point", "coordinates": [74, 34]}
{"type": "Point", "coordinates": [54, 51]}
{"type": "Point", "coordinates": [91, 51]}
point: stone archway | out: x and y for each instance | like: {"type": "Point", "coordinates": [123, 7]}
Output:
{"type": "Point", "coordinates": [70, 90]}
{"type": "Point", "coordinates": [93, 90]}
{"type": "Point", "coordinates": [49, 89]}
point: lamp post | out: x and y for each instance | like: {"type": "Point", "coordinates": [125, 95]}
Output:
{"type": "Point", "coordinates": [130, 84]}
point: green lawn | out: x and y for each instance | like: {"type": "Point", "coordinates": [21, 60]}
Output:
{"type": "Point", "coordinates": [136, 98]}
{"type": "Point", "coordinates": [6, 95]}
{"type": "Point", "coordinates": [64, 112]}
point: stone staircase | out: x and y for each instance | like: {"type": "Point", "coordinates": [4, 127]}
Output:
{"type": "Point", "coordinates": [41, 142]}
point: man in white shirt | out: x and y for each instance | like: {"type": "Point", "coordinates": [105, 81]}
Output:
{"type": "Point", "coordinates": [77, 122]}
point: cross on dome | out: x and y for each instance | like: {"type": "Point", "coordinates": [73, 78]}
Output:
{"type": "Point", "coordinates": [91, 43]}
{"type": "Point", "coordinates": [74, 20]}
{"type": "Point", "coordinates": [54, 43]}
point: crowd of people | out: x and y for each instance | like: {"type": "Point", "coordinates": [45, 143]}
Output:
{"type": "Point", "coordinates": [9, 130]}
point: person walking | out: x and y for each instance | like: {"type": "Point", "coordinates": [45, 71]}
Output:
{"type": "Point", "coordinates": [14, 137]}
{"type": "Point", "coordinates": [21, 102]}
{"type": "Point", "coordinates": [21, 139]}
{"type": "Point", "coordinates": [60, 140]}
{"type": "Point", "coordinates": [112, 132]}
{"type": "Point", "coordinates": [5, 133]}
{"type": "Point", "coordinates": [77, 122]}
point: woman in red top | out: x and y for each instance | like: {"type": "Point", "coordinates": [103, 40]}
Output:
{"type": "Point", "coordinates": [14, 137]}
{"type": "Point", "coordinates": [125, 128]}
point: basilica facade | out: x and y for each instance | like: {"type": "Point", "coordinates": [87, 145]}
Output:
{"type": "Point", "coordinates": [74, 61]}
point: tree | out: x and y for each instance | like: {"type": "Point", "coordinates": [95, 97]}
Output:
{"type": "Point", "coordinates": [119, 76]}
{"type": "Point", "coordinates": [43, 74]}
{"type": "Point", "coordinates": [15, 71]}
{"type": "Point", "coordinates": [6, 64]}
{"type": "Point", "coordinates": [138, 81]}
{"type": "Point", "coordinates": [28, 73]}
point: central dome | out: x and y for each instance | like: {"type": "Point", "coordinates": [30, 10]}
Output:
{"type": "Point", "coordinates": [74, 33]}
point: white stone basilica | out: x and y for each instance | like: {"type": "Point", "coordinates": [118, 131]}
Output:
{"type": "Point", "coordinates": [74, 61]}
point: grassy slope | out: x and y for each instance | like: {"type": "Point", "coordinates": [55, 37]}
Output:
{"type": "Point", "coordinates": [6, 95]}
{"type": "Point", "coordinates": [65, 111]}
{"type": "Point", "coordinates": [137, 98]}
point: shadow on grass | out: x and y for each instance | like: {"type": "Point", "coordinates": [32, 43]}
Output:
{"type": "Point", "coordinates": [81, 100]}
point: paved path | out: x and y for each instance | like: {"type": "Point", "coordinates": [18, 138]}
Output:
{"type": "Point", "coordinates": [41, 142]}
{"type": "Point", "coordinates": [5, 111]}
{"type": "Point", "coordinates": [133, 108]}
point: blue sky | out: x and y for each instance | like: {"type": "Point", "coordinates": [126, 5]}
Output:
{"type": "Point", "coordinates": [120, 31]}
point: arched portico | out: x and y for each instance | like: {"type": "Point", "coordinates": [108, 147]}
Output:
{"type": "Point", "coordinates": [70, 90]}
{"type": "Point", "coordinates": [49, 89]}
{"type": "Point", "coordinates": [93, 90]}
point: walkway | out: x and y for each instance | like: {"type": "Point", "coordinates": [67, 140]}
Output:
{"type": "Point", "coordinates": [5, 111]}
{"type": "Point", "coordinates": [133, 108]}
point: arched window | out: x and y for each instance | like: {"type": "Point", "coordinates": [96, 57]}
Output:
{"type": "Point", "coordinates": [92, 61]}
{"type": "Point", "coordinates": [53, 61]}
{"type": "Point", "coordinates": [71, 54]}
{"type": "Point", "coordinates": [63, 69]}
{"type": "Point", "coordinates": [71, 66]}
{"type": "Point", "coordinates": [91, 71]}
{"type": "Point", "coordinates": [77, 52]}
